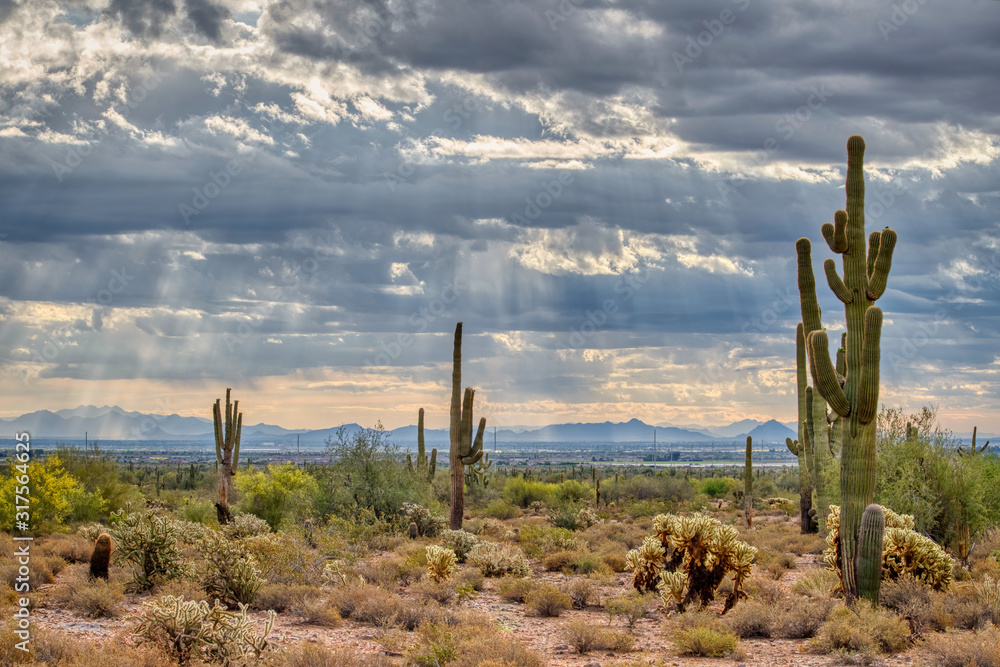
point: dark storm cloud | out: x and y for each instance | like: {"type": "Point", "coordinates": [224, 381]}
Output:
{"type": "Point", "coordinates": [143, 17]}
{"type": "Point", "coordinates": [207, 17]}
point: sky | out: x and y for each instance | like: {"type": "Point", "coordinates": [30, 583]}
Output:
{"type": "Point", "coordinates": [299, 199]}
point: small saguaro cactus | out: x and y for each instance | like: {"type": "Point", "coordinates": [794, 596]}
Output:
{"type": "Point", "coordinates": [971, 450]}
{"type": "Point", "coordinates": [748, 483]}
{"type": "Point", "coordinates": [854, 396]}
{"type": "Point", "coordinates": [100, 559]}
{"type": "Point", "coordinates": [227, 451]}
{"type": "Point", "coordinates": [870, 552]}
{"type": "Point", "coordinates": [424, 466]}
{"type": "Point", "coordinates": [465, 451]}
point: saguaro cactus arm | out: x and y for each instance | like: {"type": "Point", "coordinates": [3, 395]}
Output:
{"type": "Point", "coordinates": [825, 375]}
{"type": "Point", "coordinates": [878, 272]}
{"type": "Point", "coordinates": [870, 539]}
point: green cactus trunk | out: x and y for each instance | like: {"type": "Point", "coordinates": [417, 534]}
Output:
{"type": "Point", "coordinates": [464, 450]}
{"type": "Point", "coordinates": [424, 466]}
{"type": "Point", "coordinates": [870, 553]}
{"type": "Point", "coordinates": [748, 483]}
{"type": "Point", "coordinates": [227, 451]}
{"type": "Point", "coordinates": [798, 447]}
{"type": "Point", "coordinates": [856, 399]}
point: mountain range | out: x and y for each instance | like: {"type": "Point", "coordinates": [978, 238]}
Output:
{"type": "Point", "coordinates": [114, 423]}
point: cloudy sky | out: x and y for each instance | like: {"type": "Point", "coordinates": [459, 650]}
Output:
{"type": "Point", "coordinates": [300, 198]}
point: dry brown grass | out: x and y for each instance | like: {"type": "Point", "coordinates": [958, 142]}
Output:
{"type": "Point", "coordinates": [953, 649]}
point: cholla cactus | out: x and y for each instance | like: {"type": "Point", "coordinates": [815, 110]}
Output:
{"type": "Point", "coordinates": [904, 551]}
{"type": "Point", "coordinates": [459, 541]}
{"type": "Point", "coordinates": [147, 544]}
{"type": "Point", "coordinates": [231, 574]}
{"type": "Point", "coordinates": [671, 587]}
{"type": "Point", "coordinates": [189, 629]}
{"type": "Point", "coordinates": [441, 562]}
{"type": "Point", "coordinates": [496, 560]}
{"type": "Point", "coordinates": [646, 564]}
{"type": "Point", "coordinates": [699, 547]}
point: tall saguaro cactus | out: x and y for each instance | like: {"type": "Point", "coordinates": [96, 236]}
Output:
{"type": "Point", "coordinates": [854, 397]}
{"type": "Point", "coordinates": [465, 451]}
{"type": "Point", "coordinates": [798, 447]}
{"type": "Point", "coordinates": [227, 451]}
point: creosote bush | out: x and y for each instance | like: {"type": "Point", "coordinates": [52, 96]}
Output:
{"type": "Point", "coordinates": [585, 636]}
{"type": "Point", "coordinates": [547, 600]}
{"type": "Point", "coordinates": [863, 630]}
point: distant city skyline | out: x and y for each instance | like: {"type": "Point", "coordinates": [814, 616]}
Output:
{"type": "Point", "coordinates": [299, 200]}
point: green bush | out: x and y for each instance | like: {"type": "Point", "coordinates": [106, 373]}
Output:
{"type": "Point", "coordinates": [547, 600]}
{"type": "Point", "coordinates": [369, 472]}
{"type": "Point", "coordinates": [277, 493]}
{"type": "Point", "coordinates": [523, 492]}
{"type": "Point", "coordinates": [705, 642]}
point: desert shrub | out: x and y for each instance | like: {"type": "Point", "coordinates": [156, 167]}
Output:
{"type": "Point", "coordinates": [471, 578]}
{"type": "Point", "coordinates": [800, 618]}
{"type": "Point", "coordinates": [246, 525]}
{"type": "Point", "coordinates": [717, 487]}
{"type": "Point", "coordinates": [494, 528]}
{"type": "Point", "coordinates": [539, 540]}
{"type": "Point", "coordinates": [276, 493]}
{"type": "Point", "coordinates": [864, 630]}
{"type": "Point", "coordinates": [347, 598]}
{"type": "Point", "coordinates": [188, 629]}
{"type": "Point", "coordinates": [590, 563]}
{"type": "Point", "coordinates": [70, 548]}
{"type": "Point", "coordinates": [631, 606]}
{"type": "Point", "coordinates": [481, 643]}
{"type": "Point", "coordinates": [988, 591]}
{"type": "Point", "coordinates": [317, 655]}
{"type": "Point", "coordinates": [91, 531]}
{"type": "Point", "coordinates": [585, 636]}
{"type": "Point", "coordinates": [547, 600]}
{"type": "Point", "coordinates": [560, 561]}
{"type": "Point", "coordinates": [981, 649]}
{"type": "Point", "coordinates": [368, 476]}
{"type": "Point", "coordinates": [524, 492]}
{"type": "Point", "coordinates": [317, 610]}
{"type": "Point", "coordinates": [817, 584]}
{"type": "Point", "coordinates": [583, 592]}
{"type": "Point", "coordinates": [230, 573]}
{"type": "Point", "coordinates": [496, 560]}
{"type": "Point", "coordinates": [147, 544]}
{"type": "Point", "coordinates": [428, 524]}
{"type": "Point", "coordinates": [515, 589]}
{"type": "Point", "coordinates": [96, 599]}
{"type": "Point", "coordinates": [384, 572]}
{"type": "Point", "coordinates": [198, 511]}
{"type": "Point", "coordinates": [501, 509]}
{"type": "Point", "coordinates": [441, 592]}
{"type": "Point", "coordinates": [459, 541]}
{"type": "Point", "coordinates": [705, 641]}
{"type": "Point", "coordinates": [283, 597]}
{"type": "Point", "coordinates": [440, 563]}
{"type": "Point", "coordinates": [752, 619]}
{"type": "Point", "coordinates": [186, 588]}
{"type": "Point", "coordinates": [614, 560]}
{"type": "Point", "coordinates": [435, 646]}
